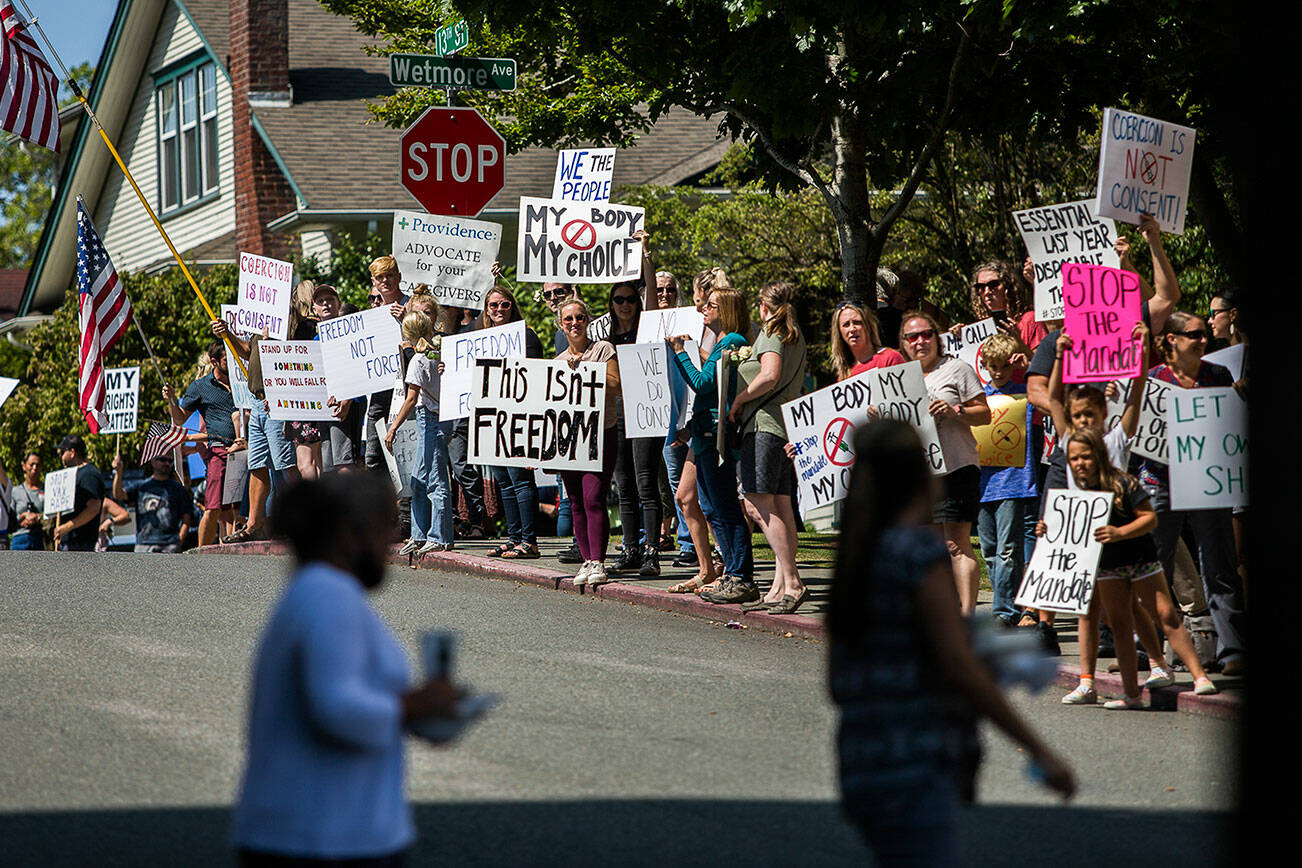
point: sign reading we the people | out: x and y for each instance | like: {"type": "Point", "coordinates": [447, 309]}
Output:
{"type": "Point", "coordinates": [538, 413]}
{"type": "Point", "coordinates": [265, 286]}
{"type": "Point", "coordinates": [1144, 167]}
{"type": "Point", "coordinates": [294, 382]}
{"type": "Point", "coordinates": [458, 354]}
{"type": "Point", "coordinates": [1060, 576]}
{"type": "Point", "coordinates": [121, 400]}
{"type": "Point", "coordinates": [584, 174]}
{"type": "Point", "coordinates": [453, 256]}
{"type": "Point", "coordinates": [1056, 234]}
{"type": "Point", "coordinates": [1102, 308]}
{"type": "Point", "coordinates": [360, 352]}
{"type": "Point", "coordinates": [1208, 435]}
{"type": "Point", "coordinates": [568, 242]}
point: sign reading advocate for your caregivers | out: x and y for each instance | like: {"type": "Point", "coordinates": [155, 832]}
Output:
{"type": "Point", "coordinates": [567, 242]}
{"type": "Point", "coordinates": [1060, 576]}
{"type": "Point", "coordinates": [1144, 169]}
{"type": "Point", "coordinates": [458, 354]}
{"type": "Point", "coordinates": [584, 175]}
{"type": "Point", "coordinates": [1208, 433]}
{"type": "Point", "coordinates": [538, 413]}
{"type": "Point", "coordinates": [121, 400]}
{"type": "Point", "coordinates": [360, 352]}
{"type": "Point", "coordinates": [821, 426]}
{"type": "Point", "coordinates": [264, 296]}
{"type": "Point", "coordinates": [293, 381]}
{"type": "Point", "coordinates": [1062, 233]}
{"type": "Point", "coordinates": [453, 256]}
{"type": "Point", "coordinates": [1102, 308]}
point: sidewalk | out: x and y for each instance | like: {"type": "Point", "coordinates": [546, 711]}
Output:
{"type": "Point", "coordinates": [470, 556]}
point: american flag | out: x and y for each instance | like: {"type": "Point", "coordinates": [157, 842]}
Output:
{"type": "Point", "coordinates": [104, 313]}
{"type": "Point", "coordinates": [29, 104]}
{"type": "Point", "coordinates": [159, 439]}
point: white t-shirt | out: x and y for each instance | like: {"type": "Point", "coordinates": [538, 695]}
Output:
{"type": "Point", "coordinates": [1118, 445]}
{"type": "Point", "coordinates": [954, 382]}
{"type": "Point", "coordinates": [424, 372]}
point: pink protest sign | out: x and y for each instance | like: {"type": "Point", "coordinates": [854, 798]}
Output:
{"type": "Point", "coordinates": [1101, 307]}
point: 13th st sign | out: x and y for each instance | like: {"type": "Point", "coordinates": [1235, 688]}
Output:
{"type": "Point", "coordinates": [453, 161]}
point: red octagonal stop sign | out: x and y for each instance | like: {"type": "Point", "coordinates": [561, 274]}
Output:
{"type": "Point", "coordinates": [453, 162]}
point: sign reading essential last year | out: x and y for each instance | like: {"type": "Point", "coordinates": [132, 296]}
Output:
{"type": "Point", "coordinates": [453, 162]}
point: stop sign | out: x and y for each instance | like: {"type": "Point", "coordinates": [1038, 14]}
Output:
{"type": "Point", "coordinates": [452, 162]}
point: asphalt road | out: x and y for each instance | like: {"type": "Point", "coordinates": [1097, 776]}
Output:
{"type": "Point", "coordinates": [626, 734]}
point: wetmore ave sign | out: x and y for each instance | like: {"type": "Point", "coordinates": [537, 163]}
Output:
{"type": "Point", "coordinates": [452, 161]}
{"type": "Point", "coordinates": [458, 73]}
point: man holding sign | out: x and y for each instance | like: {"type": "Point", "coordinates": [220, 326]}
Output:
{"type": "Point", "coordinates": [78, 491]}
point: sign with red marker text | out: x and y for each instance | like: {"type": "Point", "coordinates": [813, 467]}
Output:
{"type": "Point", "coordinates": [1060, 576]}
{"type": "Point", "coordinates": [264, 295]}
{"type": "Point", "coordinates": [1144, 168]}
{"type": "Point", "coordinates": [584, 175]}
{"type": "Point", "coordinates": [1002, 443]}
{"type": "Point", "coordinates": [1102, 306]}
{"type": "Point", "coordinates": [294, 381]}
{"type": "Point", "coordinates": [1208, 433]}
{"type": "Point", "coordinates": [567, 242]}
{"type": "Point", "coordinates": [965, 344]}
{"type": "Point", "coordinates": [1056, 234]}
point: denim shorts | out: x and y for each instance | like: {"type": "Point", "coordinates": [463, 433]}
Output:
{"type": "Point", "coordinates": [267, 444]}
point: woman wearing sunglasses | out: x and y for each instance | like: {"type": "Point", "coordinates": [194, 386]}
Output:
{"type": "Point", "coordinates": [998, 292]}
{"type": "Point", "coordinates": [958, 404]}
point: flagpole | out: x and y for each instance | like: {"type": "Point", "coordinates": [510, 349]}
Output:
{"type": "Point", "coordinates": [76, 91]}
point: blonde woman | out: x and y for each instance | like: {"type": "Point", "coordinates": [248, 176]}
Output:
{"type": "Point", "coordinates": [856, 341]}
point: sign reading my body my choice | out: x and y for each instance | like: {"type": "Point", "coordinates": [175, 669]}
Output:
{"type": "Point", "coordinates": [1062, 233]}
{"type": "Point", "coordinates": [584, 175]}
{"type": "Point", "coordinates": [264, 296]}
{"type": "Point", "coordinates": [1144, 167]}
{"type": "Point", "coordinates": [567, 242]}
{"type": "Point", "coordinates": [360, 352]}
{"type": "Point", "coordinates": [1103, 305]}
{"type": "Point", "coordinates": [452, 255]}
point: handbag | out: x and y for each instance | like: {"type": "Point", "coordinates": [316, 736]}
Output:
{"type": "Point", "coordinates": [732, 432]}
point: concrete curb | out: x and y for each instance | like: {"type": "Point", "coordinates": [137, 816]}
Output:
{"type": "Point", "coordinates": [1179, 697]}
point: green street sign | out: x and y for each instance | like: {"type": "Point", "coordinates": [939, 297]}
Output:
{"type": "Point", "coordinates": [451, 38]}
{"type": "Point", "coordinates": [458, 73]}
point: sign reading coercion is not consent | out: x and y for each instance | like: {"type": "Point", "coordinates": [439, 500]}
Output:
{"type": "Point", "coordinates": [121, 400]}
{"type": "Point", "coordinates": [1060, 576]}
{"type": "Point", "coordinates": [821, 426]}
{"type": "Point", "coordinates": [293, 381]}
{"type": "Point", "coordinates": [1144, 167]}
{"type": "Point", "coordinates": [458, 354]}
{"type": "Point", "coordinates": [1208, 433]}
{"type": "Point", "coordinates": [453, 256]}
{"type": "Point", "coordinates": [538, 413]}
{"type": "Point", "coordinates": [264, 296]}
{"type": "Point", "coordinates": [1056, 234]}
{"type": "Point", "coordinates": [1103, 305]}
{"type": "Point", "coordinates": [567, 242]}
{"type": "Point", "coordinates": [360, 352]}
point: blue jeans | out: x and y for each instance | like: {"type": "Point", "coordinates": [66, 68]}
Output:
{"type": "Point", "coordinates": [564, 517]}
{"type": "Point", "coordinates": [519, 502]}
{"type": "Point", "coordinates": [717, 485]}
{"type": "Point", "coordinates": [431, 492]}
{"type": "Point", "coordinates": [674, 457]}
{"type": "Point", "coordinates": [1001, 526]}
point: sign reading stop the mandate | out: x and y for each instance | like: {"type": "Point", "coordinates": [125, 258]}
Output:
{"type": "Point", "coordinates": [452, 161]}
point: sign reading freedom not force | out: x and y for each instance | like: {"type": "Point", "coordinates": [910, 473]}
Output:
{"type": "Point", "coordinates": [568, 242]}
{"type": "Point", "coordinates": [453, 256]}
{"type": "Point", "coordinates": [1063, 233]}
{"type": "Point", "coordinates": [538, 413]}
{"type": "Point", "coordinates": [458, 73]}
{"type": "Point", "coordinates": [360, 352]}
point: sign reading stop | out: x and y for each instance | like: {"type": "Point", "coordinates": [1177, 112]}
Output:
{"type": "Point", "coordinates": [452, 162]}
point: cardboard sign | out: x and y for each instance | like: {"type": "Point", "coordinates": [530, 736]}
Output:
{"type": "Point", "coordinates": [453, 256]}
{"type": "Point", "coordinates": [1056, 234]}
{"type": "Point", "coordinates": [653, 326]}
{"type": "Point", "coordinates": [1208, 433]}
{"type": "Point", "coordinates": [599, 328]}
{"type": "Point", "coordinates": [1144, 168]}
{"type": "Point", "coordinates": [121, 400]}
{"type": "Point", "coordinates": [1060, 576]}
{"type": "Point", "coordinates": [644, 385]}
{"type": "Point", "coordinates": [360, 352]}
{"type": "Point", "coordinates": [1231, 358]}
{"type": "Point", "coordinates": [1002, 443]}
{"type": "Point", "coordinates": [584, 175]}
{"type": "Point", "coordinates": [1150, 437]}
{"type": "Point", "coordinates": [565, 242]}
{"type": "Point", "coordinates": [821, 426]}
{"type": "Point", "coordinates": [265, 288]}
{"type": "Point", "coordinates": [60, 490]}
{"type": "Point", "coordinates": [293, 381]}
{"type": "Point", "coordinates": [459, 352]}
{"type": "Point", "coordinates": [1102, 307]}
{"type": "Point", "coordinates": [538, 413]}
{"type": "Point", "coordinates": [7, 386]}
{"type": "Point", "coordinates": [402, 460]}
{"type": "Point", "coordinates": [236, 477]}
{"type": "Point", "coordinates": [966, 345]}
{"type": "Point", "coordinates": [239, 383]}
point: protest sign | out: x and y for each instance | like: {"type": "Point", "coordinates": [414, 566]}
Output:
{"type": "Point", "coordinates": [293, 382]}
{"type": "Point", "coordinates": [1101, 307]}
{"type": "Point", "coordinates": [236, 476]}
{"type": "Point", "coordinates": [1208, 433]}
{"type": "Point", "coordinates": [121, 400]}
{"type": "Point", "coordinates": [584, 175]}
{"type": "Point", "coordinates": [567, 242]}
{"type": "Point", "coordinates": [264, 295]}
{"type": "Point", "coordinates": [644, 382]}
{"type": "Point", "coordinates": [458, 353]}
{"type": "Point", "coordinates": [360, 352]}
{"type": "Point", "coordinates": [682, 397]}
{"type": "Point", "coordinates": [60, 490]}
{"type": "Point", "coordinates": [653, 326]}
{"type": "Point", "coordinates": [1056, 234]}
{"type": "Point", "coordinates": [1150, 437]}
{"type": "Point", "coordinates": [599, 328]}
{"type": "Point", "coordinates": [1231, 357]}
{"type": "Point", "coordinates": [1002, 443]}
{"type": "Point", "coordinates": [453, 256]}
{"type": "Point", "coordinates": [1144, 169]}
{"type": "Point", "coordinates": [7, 386]}
{"type": "Point", "coordinates": [1060, 576]}
{"type": "Point", "coordinates": [239, 383]}
{"type": "Point", "coordinates": [965, 344]}
{"type": "Point", "coordinates": [402, 460]}
{"type": "Point", "coordinates": [821, 426]}
{"type": "Point", "coordinates": [538, 413]}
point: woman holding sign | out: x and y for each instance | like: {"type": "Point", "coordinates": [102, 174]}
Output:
{"type": "Point", "coordinates": [857, 343]}
{"type": "Point", "coordinates": [997, 292]}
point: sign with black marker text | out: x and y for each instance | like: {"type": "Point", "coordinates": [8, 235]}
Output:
{"type": "Point", "coordinates": [1060, 576]}
{"type": "Point", "coordinates": [1056, 234]}
{"type": "Point", "coordinates": [453, 256]}
{"type": "Point", "coordinates": [121, 400]}
{"type": "Point", "coordinates": [458, 354]}
{"type": "Point", "coordinates": [360, 352]}
{"type": "Point", "coordinates": [568, 242]}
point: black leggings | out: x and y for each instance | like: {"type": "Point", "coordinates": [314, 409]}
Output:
{"type": "Point", "coordinates": [636, 474]}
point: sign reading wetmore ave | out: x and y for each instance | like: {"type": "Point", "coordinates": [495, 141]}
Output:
{"type": "Point", "coordinates": [461, 73]}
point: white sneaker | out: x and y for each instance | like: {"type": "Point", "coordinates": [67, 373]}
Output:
{"type": "Point", "coordinates": [1083, 695]}
{"type": "Point", "coordinates": [581, 577]}
{"type": "Point", "coordinates": [429, 546]}
{"type": "Point", "coordinates": [598, 574]}
{"type": "Point", "coordinates": [410, 547]}
{"type": "Point", "coordinates": [1135, 703]}
{"type": "Point", "coordinates": [1159, 678]}
{"type": "Point", "coordinates": [1204, 687]}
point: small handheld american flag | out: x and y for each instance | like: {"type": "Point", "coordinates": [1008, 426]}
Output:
{"type": "Point", "coordinates": [29, 101]}
{"type": "Point", "coordinates": [160, 439]}
{"type": "Point", "coordinates": [104, 312]}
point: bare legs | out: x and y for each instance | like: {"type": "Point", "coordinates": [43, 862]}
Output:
{"type": "Point", "coordinates": [689, 502]}
{"type": "Point", "coordinates": [776, 519]}
{"type": "Point", "coordinates": [958, 539]}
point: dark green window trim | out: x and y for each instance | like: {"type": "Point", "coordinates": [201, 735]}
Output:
{"type": "Point", "coordinates": [181, 66]}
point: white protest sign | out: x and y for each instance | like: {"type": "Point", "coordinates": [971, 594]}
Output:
{"type": "Point", "coordinates": [121, 400]}
{"type": "Point", "coordinates": [1150, 437]}
{"type": "Point", "coordinates": [566, 242]}
{"type": "Point", "coordinates": [360, 352]}
{"type": "Point", "coordinates": [538, 413]}
{"type": "Point", "coordinates": [402, 460]}
{"type": "Point", "coordinates": [293, 382]}
{"type": "Point", "coordinates": [1144, 168]}
{"type": "Point", "coordinates": [644, 384]}
{"type": "Point", "coordinates": [60, 490]}
{"type": "Point", "coordinates": [458, 353]}
{"type": "Point", "coordinates": [264, 296]}
{"type": "Point", "coordinates": [452, 255]}
{"type": "Point", "coordinates": [1208, 433]}
{"type": "Point", "coordinates": [1060, 576]}
{"type": "Point", "coordinates": [966, 344]}
{"type": "Point", "coordinates": [1231, 357]}
{"type": "Point", "coordinates": [599, 328]}
{"type": "Point", "coordinates": [239, 383]}
{"type": "Point", "coordinates": [236, 476]}
{"type": "Point", "coordinates": [682, 396]}
{"type": "Point", "coordinates": [584, 174]}
{"type": "Point", "coordinates": [1062, 233]}
{"type": "Point", "coordinates": [653, 326]}
{"type": "Point", "coordinates": [7, 386]}
{"type": "Point", "coordinates": [821, 426]}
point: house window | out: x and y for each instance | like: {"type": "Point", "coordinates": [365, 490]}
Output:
{"type": "Point", "coordinates": [187, 135]}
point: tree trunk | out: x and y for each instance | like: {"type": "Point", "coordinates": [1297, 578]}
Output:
{"type": "Point", "coordinates": [860, 248]}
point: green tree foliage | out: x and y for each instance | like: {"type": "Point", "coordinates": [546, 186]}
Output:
{"type": "Point", "coordinates": [347, 271]}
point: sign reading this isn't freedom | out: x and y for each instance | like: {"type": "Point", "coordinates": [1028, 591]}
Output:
{"type": "Point", "coordinates": [264, 296]}
{"type": "Point", "coordinates": [453, 256]}
{"type": "Point", "coordinates": [293, 381]}
{"type": "Point", "coordinates": [1208, 433]}
{"type": "Point", "coordinates": [360, 352]}
{"type": "Point", "coordinates": [1102, 308]}
{"type": "Point", "coordinates": [584, 175]}
{"type": "Point", "coordinates": [568, 242]}
{"type": "Point", "coordinates": [1056, 234]}
{"type": "Point", "coordinates": [538, 413]}
{"type": "Point", "coordinates": [121, 400]}
{"type": "Point", "coordinates": [1144, 168]}
{"type": "Point", "coordinates": [1060, 575]}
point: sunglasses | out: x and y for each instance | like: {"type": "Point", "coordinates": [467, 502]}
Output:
{"type": "Point", "coordinates": [1211, 314]}
{"type": "Point", "coordinates": [624, 299]}
{"type": "Point", "coordinates": [989, 284]}
{"type": "Point", "coordinates": [925, 334]}
{"type": "Point", "coordinates": [554, 294]}
{"type": "Point", "coordinates": [375, 299]}
{"type": "Point", "coordinates": [1194, 335]}
{"type": "Point", "coordinates": [499, 305]}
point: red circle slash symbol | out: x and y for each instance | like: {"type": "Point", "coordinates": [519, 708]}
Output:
{"type": "Point", "coordinates": [1148, 168]}
{"type": "Point", "coordinates": [836, 442]}
{"type": "Point", "coordinates": [579, 234]}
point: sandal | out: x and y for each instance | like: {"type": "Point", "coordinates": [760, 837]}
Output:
{"type": "Point", "coordinates": [517, 552]}
{"type": "Point", "coordinates": [691, 586]}
{"type": "Point", "coordinates": [500, 551]}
